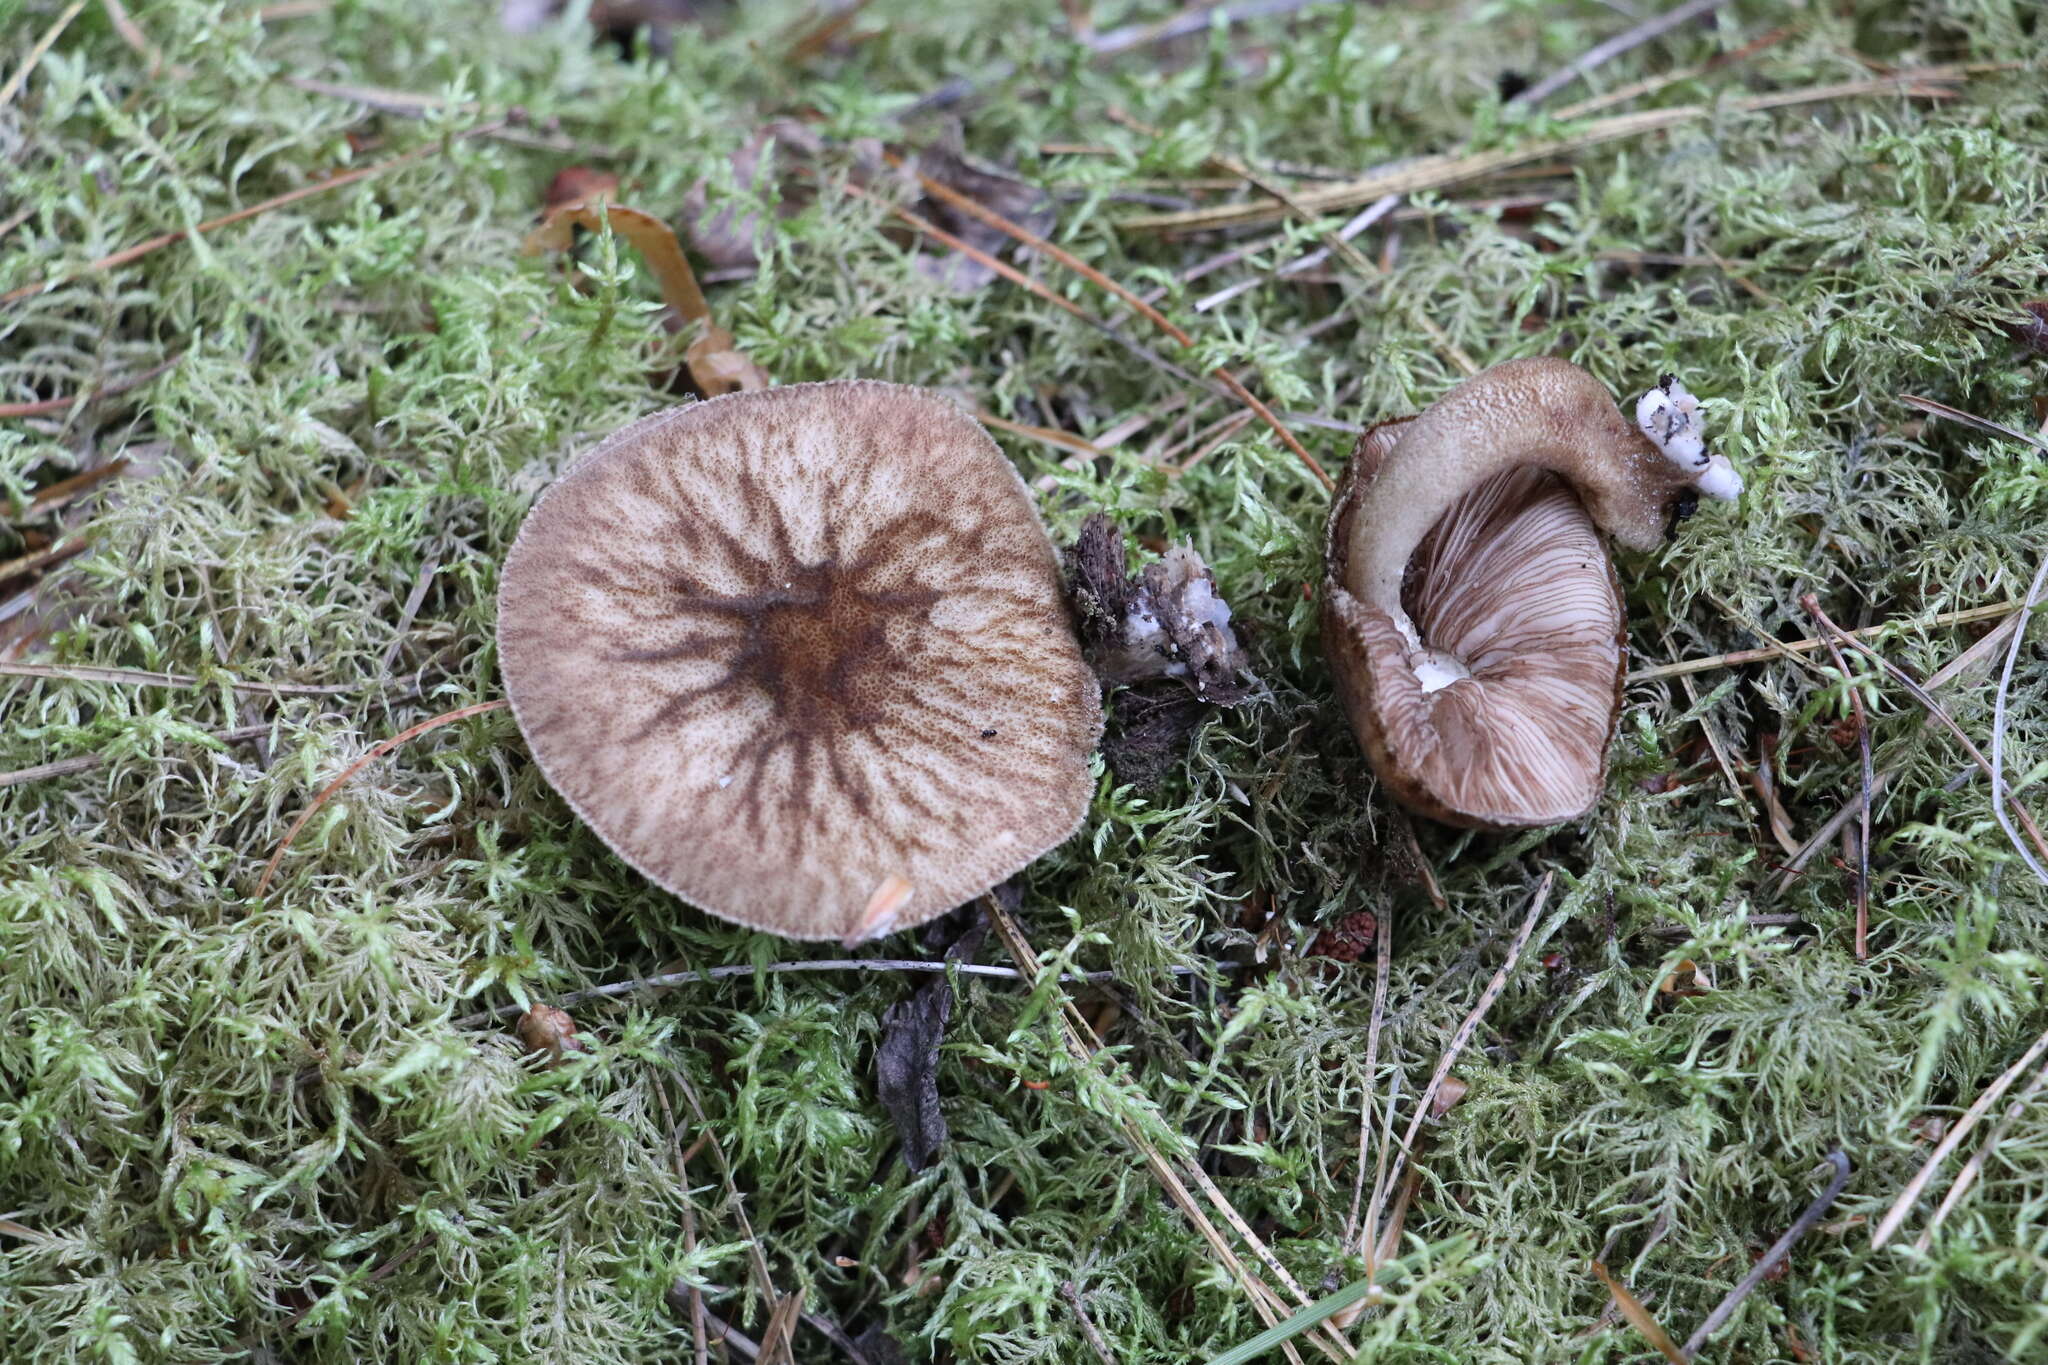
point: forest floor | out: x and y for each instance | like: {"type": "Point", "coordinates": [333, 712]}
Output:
{"type": "Point", "coordinates": [257, 478]}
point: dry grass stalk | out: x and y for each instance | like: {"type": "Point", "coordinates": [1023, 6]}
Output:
{"type": "Point", "coordinates": [375, 752]}
{"type": "Point", "coordinates": [1272, 1309]}
{"type": "Point", "coordinates": [1903, 1205]}
{"type": "Point", "coordinates": [128, 255]}
{"type": "Point", "coordinates": [1438, 172]}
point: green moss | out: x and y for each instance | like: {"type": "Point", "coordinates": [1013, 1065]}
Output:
{"type": "Point", "coordinates": [224, 1123]}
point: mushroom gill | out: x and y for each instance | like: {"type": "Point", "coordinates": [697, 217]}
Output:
{"type": "Point", "coordinates": [1469, 610]}
{"type": "Point", "coordinates": [800, 656]}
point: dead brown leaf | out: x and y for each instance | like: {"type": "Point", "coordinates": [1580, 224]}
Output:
{"type": "Point", "coordinates": [714, 360]}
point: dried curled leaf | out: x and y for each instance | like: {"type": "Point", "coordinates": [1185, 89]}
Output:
{"type": "Point", "coordinates": [714, 360]}
{"type": "Point", "coordinates": [547, 1029]}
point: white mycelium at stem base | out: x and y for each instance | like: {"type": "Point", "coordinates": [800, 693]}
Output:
{"type": "Point", "coordinates": [1670, 417]}
{"type": "Point", "coordinates": [1481, 520]}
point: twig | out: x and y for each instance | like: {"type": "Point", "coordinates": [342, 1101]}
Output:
{"type": "Point", "coordinates": [44, 558]}
{"type": "Point", "coordinates": [1983, 424]}
{"type": "Point", "coordinates": [1089, 1333]}
{"type": "Point", "coordinates": [675, 1151]}
{"type": "Point", "coordinates": [1652, 84]}
{"type": "Point", "coordinates": [1934, 709]}
{"type": "Point", "coordinates": [35, 53]}
{"type": "Point", "coordinates": [830, 964]}
{"type": "Point", "coordinates": [1941, 677]}
{"type": "Point", "coordinates": [1436, 172]}
{"type": "Point", "coordinates": [730, 1336]}
{"type": "Point", "coordinates": [1471, 1024]}
{"type": "Point", "coordinates": [1772, 1259]}
{"type": "Point", "coordinates": [1182, 25]}
{"type": "Point", "coordinates": [136, 677]}
{"type": "Point", "coordinates": [1783, 647]}
{"type": "Point", "coordinates": [734, 1204]}
{"type": "Point", "coordinates": [1903, 1205]}
{"type": "Point", "coordinates": [131, 33]}
{"type": "Point", "coordinates": [1073, 1029]}
{"type": "Point", "coordinates": [85, 763]}
{"type": "Point", "coordinates": [1967, 1177]}
{"type": "Point", "coordinates": [119, 386]}
{"type": "Point", "coordinates": [1383, 946]}
{"type": "Point", "coordinates": [334, 182]}
{"type": "Point", "coordinates": [1358, 223]}
{"type": "Point", "coordinates": [1647, 31]}
{"type": "Point", "coordinates": [1998, 703]}
{"type": "Point", "coordinates": [384, 1271]}
{"type": "Point", "coordinates": [406, 616]}
{"type": "Point", "coordinates": [975, 209]}
{"type": "Point", "coordinates": [375, 752]}
{"type": "Point", "coordinates": [1812, 605]}
{"type": "Point", "coordinates": [64, 492]}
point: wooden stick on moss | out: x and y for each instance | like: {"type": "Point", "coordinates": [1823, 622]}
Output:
{"type": "Point", "coordinates": [1266, 1301]}
{"type": "Point", "coordinates": [973, 208]}
{"type": "Point", "coordinates": [128, 255]}
{"type": "Point", "coordinates": [1772, 1259]}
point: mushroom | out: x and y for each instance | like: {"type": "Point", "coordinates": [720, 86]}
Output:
{"type": "Point", "coordinates": [1469, 610]}
{"type": "Point", "coordinates": [801, 657]}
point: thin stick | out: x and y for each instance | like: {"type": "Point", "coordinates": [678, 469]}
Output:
{"type": "Point", "coordinates": [1772, 1259]}
{"type": "Point", "coordinates": [85, 763]}
{"type": "Point", "coordinates": [1903, 1205]}
{"type": "Point", "coordinates": [1968, 419]}
{"type": "Point", "coordinates": [1639, 1317]}
{"type": "Point", "coordinates": [830, 964]}
{"type": "Point", "coordinates": [976, 210]}
{"type": "Point", "coordinates": [1998, 703]}
{"type": "Point", "coordinates": [1436, 172]}
{"type": "Point", "coordinates": [1941, 677]}
{"type": "Point", "coordinates": [408, 614]}
{"type": "Point", "coordinates": [1812, 604]}
{"type": "Point", "coordinates": [1089, 1333]}
{"type": "Point", "coordinates": [1972, 1168]}
{"type": "Point", "coordinates": [45, 406]}
{"type": "Point", "coordinates": [1647, 31]}
{"type": "Point", "coordinates": [1784, 647]}
{"type": "Point", "coordinates": [1073, 1028]}
{"type": "Point", "coordinates": [675, 1151]}
{"type": "Point", "coordinates": [1358, 223]}
{"type": "Point", "coordinates": [35, 53]}
{"type": "Point", "coordinates": [1190, 21]}
{"type": "Point", "coordinates": [375, 752]}
{"type": "Point", "coordinates": [1383, 944]}
{"type": "Point", "coordinates": [136, 677]}
{"type": "Point", "coordinates": [734, 1204]}
{"type": "Point", "coordinates": [1934, 709]}
{"type": "Point", "coordinates": [1471, 1025]}
{"type": "Point", "coordinates": [135, 253]}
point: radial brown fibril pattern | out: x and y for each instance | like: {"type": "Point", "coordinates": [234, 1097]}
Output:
{"type": "Point", "coordinates": [780, 647]}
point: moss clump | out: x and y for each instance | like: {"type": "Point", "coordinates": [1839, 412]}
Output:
{"type": "Point", "coordinates": [232, 1128]}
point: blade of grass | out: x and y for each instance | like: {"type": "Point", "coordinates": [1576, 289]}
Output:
{"type": "Point", "coordinates": [1312, 1316]}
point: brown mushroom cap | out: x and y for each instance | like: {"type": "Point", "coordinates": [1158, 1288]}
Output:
{"type": "Point", "coordinates": [1469, 609]}
{"type": "Point", "coordinates": [801, 657]}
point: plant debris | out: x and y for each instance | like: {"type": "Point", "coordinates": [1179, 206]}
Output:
{"type": "Point", "coordinates": [1162, 638]}
{"type": "Point", "coordinates": [714, 361]}
{"type": "Point", "coordinates": [907, 1059]}
{"type": "Point", "coordinates": [544, 1028]}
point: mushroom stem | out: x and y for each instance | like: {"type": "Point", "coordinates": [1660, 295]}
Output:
{"type": "Point", "coordinates": [1539, 412]}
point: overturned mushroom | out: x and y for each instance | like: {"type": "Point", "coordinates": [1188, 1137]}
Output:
{"type": "Point", "coordinates": [1469, 610]}
{"type": "Point", "coordinates": [800, 657]}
